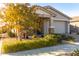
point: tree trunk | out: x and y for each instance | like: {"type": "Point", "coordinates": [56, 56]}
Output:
{"type": "Point", "coordinates": [19, 35]}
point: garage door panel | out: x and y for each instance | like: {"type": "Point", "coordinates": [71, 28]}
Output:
{"type": "Point", "coordinates": [59, 27]}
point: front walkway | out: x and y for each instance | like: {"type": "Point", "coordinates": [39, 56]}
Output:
{"type": "Point", "coordinates": [48, 51]}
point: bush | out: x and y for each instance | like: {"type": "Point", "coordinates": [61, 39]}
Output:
{"type": "Point", "coordinates": [66, 37]}
{"type": "Point", "coordinates": [75, 53]}
{"type": "Point", "coordinates": [34, 36]}
{"type": "Point", "coordinates": [60, 37]}
{"type": "Point", "coordinates": [11, 34]}
{"type": "Point", "coordinates": [49, 40]}
{"type": "Point", "coordinates": [70, 38]}
{"type": "Point", "coordinates": [57, 37]}
{"type": "Point", "coordinates": [16, 45]}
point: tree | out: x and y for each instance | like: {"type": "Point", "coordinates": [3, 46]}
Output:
{"type": "Point", "coordinates": [20, 17]}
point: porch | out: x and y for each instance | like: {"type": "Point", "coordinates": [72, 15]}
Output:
{"type": "Point", "coordinates": [44, 24]}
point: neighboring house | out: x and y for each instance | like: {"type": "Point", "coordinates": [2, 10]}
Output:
{"type": "Point", "coordinates": [54, 20]}
{"type": "Point", "coordinates": [74, 24]}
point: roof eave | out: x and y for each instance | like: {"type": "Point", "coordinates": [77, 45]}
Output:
{"type": "Point", "coordinates": [60, 12]}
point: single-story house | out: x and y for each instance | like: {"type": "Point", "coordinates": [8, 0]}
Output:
{"type": "Point", "coordinates": [54, 21]}
{"type": "Point", "coordinates": [74, 28]}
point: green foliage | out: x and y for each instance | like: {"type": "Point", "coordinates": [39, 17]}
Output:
{"type": "Point", "coordinates": [34, 36]}
{"type": "Point", "coordinates": [75, 53]}
{"type": "Point", "coordinates": [61, 37]}
{"type": "Point", "coordinates": [3, 29]}
{"type": "Point", "coordinates": [11, 34]}
{"type": "Point", "coordinates": [57, 37]}
{"type": "Point", "coordinates": [20, 17]}
{"type": "Point", "coordinates": [16, 45]}
{"type": "Point", "coordinates": [70, 38]}
{"type": "Point", "coordinates": [65, 37]}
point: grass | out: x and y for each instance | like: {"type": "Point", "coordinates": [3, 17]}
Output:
{"type": "Point", "coordinates": [13, 45]}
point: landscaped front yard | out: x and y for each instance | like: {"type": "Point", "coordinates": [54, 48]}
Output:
{"type": "Point", "coordinates": [14, 45]}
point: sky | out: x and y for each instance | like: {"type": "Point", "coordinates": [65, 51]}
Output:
{"type": "Point", "coordinates": [70, 9]}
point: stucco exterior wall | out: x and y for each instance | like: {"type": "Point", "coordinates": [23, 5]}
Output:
{"type": "Point", "coordinates": [59, 16]}
{"type": "Point", "coordinates": [62, 24]}
{"type": "Point", "coordinates": [51, 22]}
{"type": "Point", "coordinates": [41, 12]}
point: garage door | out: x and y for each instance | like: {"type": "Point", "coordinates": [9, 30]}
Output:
{"type": "Point", "coordinates": [59, 27]}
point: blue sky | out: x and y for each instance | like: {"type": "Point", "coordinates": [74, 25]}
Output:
{"type": "Point", "coordinates": [70, 9]}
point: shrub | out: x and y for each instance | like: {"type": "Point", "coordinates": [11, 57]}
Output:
{"type": "Point", "coordinates": [34, 36]}
{"type": "Point", "coordinates": [57, 37]}
{"type": "Point", "coordinates": [16, 45]}
{"type": "Point", "coordinates": [75, 53]}
{"type": "Point", "coordinates": [11, 34]}
{"type": "Point", "coordinates": [70, 38]}
{"type": "Point", "coordinates": [67, 37]}
{"type": "Point", "coordinates": [64, 36]}
{"type": "Point", "coordinates": [60, 37]}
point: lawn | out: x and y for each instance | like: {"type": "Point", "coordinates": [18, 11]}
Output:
{"type": "Point", "coordinates": [13, 45]}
